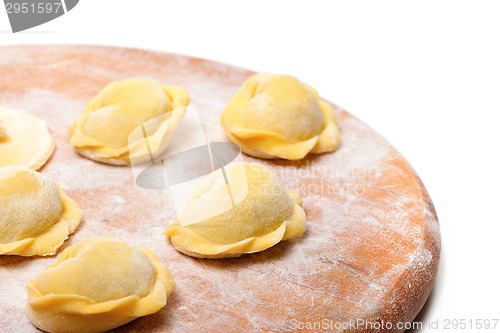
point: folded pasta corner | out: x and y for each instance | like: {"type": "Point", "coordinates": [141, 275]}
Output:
{"type": "Point", "coordinates": [249, 214]}
{"type": "Point", "coordinates": [103, 131]}
{"type": "Point", "coordinates": [97, 285]}
{"type": "Point", "coordinates": [277, 116]}
{"type": "Point", "coordinates": [24, 140]}
{"type": "Point", "coordinates": [38, 216]}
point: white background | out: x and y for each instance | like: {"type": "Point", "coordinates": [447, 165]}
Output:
{"type": "Point", "coordinates": [424, 74]}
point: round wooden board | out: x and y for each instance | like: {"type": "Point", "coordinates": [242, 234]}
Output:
{"type": "Point", "coordinates": [369, 255]}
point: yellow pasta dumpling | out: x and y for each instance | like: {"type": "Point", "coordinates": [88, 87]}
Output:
{"type": "Point", "coordinates": [102, 132]}
{"type": "Point", "coordinates": [97, 285]}
{"type": "Point", "coordinates": [277, 116]}
{"type": "Point", "coordinates": [37, 216]}
{"type": "Point", "coordinates": [249, 213]}
{"type": "Point", "coordinates": [24, 140]}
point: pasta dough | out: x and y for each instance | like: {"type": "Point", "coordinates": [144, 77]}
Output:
{"type": "Point", "coordinates": [250, 213]}
{"type": "Point", "coordinates": [3, 134]}
{"type": "Point", "coordinates": [277, 116]}
{"type": "Point", "coordinates": [97, 285]}
{"type": "Point", "coordinates": [24, 140]}
{"type": "Point", "coordinates": [102, 132]}
{"type": "Point", "coordinates": [37, 216]}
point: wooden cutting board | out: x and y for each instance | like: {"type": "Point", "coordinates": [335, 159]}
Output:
{"type": "Point", "coordinates": [370, 252]}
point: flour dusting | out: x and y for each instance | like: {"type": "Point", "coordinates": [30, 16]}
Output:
{"type": "Point", "coordinates": [372, 241]}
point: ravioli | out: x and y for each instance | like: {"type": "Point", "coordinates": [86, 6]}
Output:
{"type": "Point", "coordinates": [37, 216]}
{"type": "Point", "coordinates": [101, 133]}
{"type": "Point", "coordinates": [277, 116]}
{"type": "Point", "coordinates": [249, 213]}
{"type": "Point", "coordinates": [97, 285]}
{"type": "Point", "coordinates": [24, 140]}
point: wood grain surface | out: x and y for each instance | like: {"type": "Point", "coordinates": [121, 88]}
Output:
{"type": "Point", "coordinates": [370, 252]}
